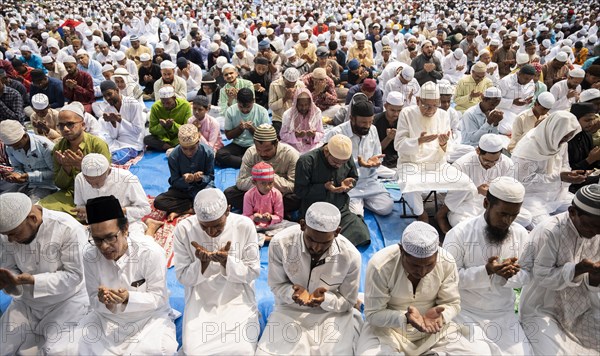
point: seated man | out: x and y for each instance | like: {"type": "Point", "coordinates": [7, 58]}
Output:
{"type": "Point", "coordinates": [530, 118]}
{"type": "Point", "coordinates": [42, 268]}
{"type": "Point", "coordinates": [370, 89]}
{"type": "Point", "coordinates": [166, 116]}
{"type": "Point", "coordinates": [68, 154]}
{"type": "Point", "coordinates": [30, 157]}
{"type": "Point", "coordinates": [280, 156]}
{"type": "Point", "coordinates": [122, 124]}
{"type": "Point", "coordinates": [559, 308]}
{"type": "Point", "coordinates": [366, 154]}
{"type": "Point", "coordinates": [386, 124]}
{"type": "Point", "coordinates": [328, 174]}
{"type": "Point", "coordinates": [517, 91]}
{"type": "Point", "coordinates": [493, 255]}
{"type": "Point", "coordinates": [217, 261]}
{"type": "Point", "coordinates": [422, 140]}
{"type": "Point", "coordinates": [482, 166]}
{"type": "Point", "coordinates": [11, 101]}
{"type": "Point", "coordinates": [192, 169]}
{"type": "Point", "coordinates": [314, 273]}
{"type": "Point", "coordinates": [51, 87]}
{"type": "Point", "coordinates": [241, 120]}
{"type": "Point", "coordinates": [411, 298]}
{"type": "Point", "coordinates": [98, 178]}
{"type": "Point", "coordinates": [168, 78]}
{"type": "Point", "coordinates": [322, 89]}
{"type": "Point", "coordinates": [470, 88]}
{"type": "Point", "coordinates": [482, 118]}
{"type": "Point", "coordinates": [126, 286]}
{"type": "Point", "coordinates": [44, 119]}
{"type": "Point", "coordinates": [78, 85]}
{"type": "Point", "coordinates": [228, 93]}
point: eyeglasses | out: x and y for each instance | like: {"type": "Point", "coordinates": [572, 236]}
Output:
{"type": "Point", "coordinates": [108, 240]}
{"type": "Point", "coordinates": [429, 107]}
{"type": "Point", "coordinates": [69, 125]}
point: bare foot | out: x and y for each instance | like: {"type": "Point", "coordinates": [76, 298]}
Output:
{"type": "Point", "coordinates": [423, 217]}
{"type": "Point", "coordinates": [153, 226]}
{"type": "Point", "coordinates": [172, 216]}
{"type": "Point", "coordinates": [358, 304]}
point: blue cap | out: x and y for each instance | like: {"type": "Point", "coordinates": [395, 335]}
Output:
{"type": "Point", "coordinates": [353, 64]}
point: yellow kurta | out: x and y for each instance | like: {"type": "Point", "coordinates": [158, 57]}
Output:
{"type": "Point", "coordinates": [465, 86]}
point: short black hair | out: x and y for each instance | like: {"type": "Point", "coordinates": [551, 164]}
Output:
{"type": "Point", "coordinates": [245, 96]}
{"type": "Point", "coordinates": [122, 223]}
{"type": "Point", "coordinates": [484, 152]}
{"type": "Point", "coordinates": [493, 200]}
{"type": "Point", "coordinates": [332, 45]}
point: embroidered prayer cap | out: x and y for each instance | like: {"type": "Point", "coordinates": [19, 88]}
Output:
{"type": "Point", "coordinates": [74, 107]}
{"type": "Point", "coordinates": [479, 67]}
{"type": "Point", "coordinates": [491, 143]}
{"type": "Point", "coordinates": [577, 73]}
{"type": "Point", "coordinates": [340, 147]}
{"type": "Point", "coordinates": [188, 135]}
{"type": "Point", "coordinates": [507, 189]}
{"type": "Point", "coordinates": [395, 98]}
{"type": "Point", "coordinates": [291, 74]}
{"type": "Point", "coordinates": [420, 240]}
{"type": "Point", "coordinates": [119, 56]}
{"type": "Point", "coordinates": [546, 99]}
{"type": "Point", "coordinates": [94, 165]}
{"type": "Point", "coordinates": [11, 131]}
{"type": "Point", "coordinates": [167, 65]}
{"type": "Point", "coordinates": [14, 207]}
{"type": "Point", "coordinates": [107, 68]}
{"type": "Point", "coordinates": [210, 204]}
{"type": "Point", "coordinates": [562, 57]}
{"type": "Point", "coordinates": [587, 199]}
{"type": "Point", "coordinates": [323, 217]}
{"type": "Point", "coordinates": [103, 209]}
{"type": "Point", "coordinates": [144, 57]}
{"type": "Point", "coordinates": [319, 73]}
{"type": "Point", "coordinates": [166, 92]}
{"type": "Point", "coordinates": [445, 87]}
{"type": "Point", "coordinates": [408, 73]}
{"type": "Point", "coordinates": [359, 36]}
{"type": "Point", "coordinates": [589, 95]}
{"type": "Point", "coordinates": [39, 101]}
{"type": "Point", "coordinates": [239, 48]}
{"type": "Point", "coordinates": [262, 171]}
{"type": "Point", "coordinates": [265, 133]}
{"type": "Point", "coordinates": [522, 58]}
{"type": "Point", "coordinates": [429, 90]}
{"type": "Point", "coordinates": [492, 92]}
{"type": "Point", "coordinates": [69, 59]}
{"type": "Point", "coordinates": [184, 44]}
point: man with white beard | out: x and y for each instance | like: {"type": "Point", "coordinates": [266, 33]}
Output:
{"type": "Point", "coordinates": [493, 255]}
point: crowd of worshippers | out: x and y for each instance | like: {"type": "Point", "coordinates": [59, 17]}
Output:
{"type": "Point", "coordinates": [317, 106]}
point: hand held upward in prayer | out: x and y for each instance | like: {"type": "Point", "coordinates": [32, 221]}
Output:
{"type": "Point", "coordinates": [506, 269]}
{"type": "Point", "coordinates": [302, 297]}
{"type": "Point", "coordinates": [428, 67]}
{"type": "Point", "coordinates": [494, 117]}
{"type": "Point", "coordinates": [112, 297]}
{"type": "Point", "coordinates": [113, 118]}
{"type": "Point", "coordinates": [346, 185]}
{"type": "Point", "coordinates": [443, 138]}
{"type": "Point", "coordinates": [372, 162]}
{"type": "Point", "coordinates": [483, 189]}
{"type": "Point", "coordinates": [166, 123]}
{"type": "Point", "coordinates": [193, 177]}
{"type": "Point", "coordinates": [205, 256]}
{"type": "Point", "coordinates": [424, 138]}
{"type": "Point", "coordinates": [431, 322]}
{"type": "Point", "coordinates": [575, 177]}
{"type": "Point", "coordinates": [592, 268]}
{"type": "Point", "coordinates": [69, 159]}
{"type": "Point", "coordinates": [246, 125]}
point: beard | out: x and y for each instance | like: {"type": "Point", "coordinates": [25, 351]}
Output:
{"type": "Point", "coordinates": [495, 235]}
{"type": "Point", "coordinates": [361, 131]}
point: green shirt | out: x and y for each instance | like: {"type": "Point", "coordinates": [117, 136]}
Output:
{"type": "Point", "coordinates": [239, 84]}
{"type": "Point", "coordinates": [180, 115]}
{"type": "Point", "coordinates": [90, 144]}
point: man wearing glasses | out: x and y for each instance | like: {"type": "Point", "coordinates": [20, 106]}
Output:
{"type": "Point", "coordinates": [68, 154]}
{"type": "Point", "coordinates": [125, 279]}
{"type": "Point", "coordinates": [42, 267]}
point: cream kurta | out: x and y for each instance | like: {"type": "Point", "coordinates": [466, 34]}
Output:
{"type": "Point", "coordinates": [220, 305]}
{"type": "Point", "coordinates": [142, 326]}
{"type": "Point", "coordinates": [489, 299]}
{"type": "Point", "coordinates": [523, 123]}
{"type": "Point", "coordinates": [389, 293]}
{"type": "Point", "coordinates": [58, 297]}
{"type": "Point", "coordinates": [469, 203]}
{"type": "Point", "coordinates": [331, 328]}
{"type": "Point", "coordinates": [511, 89]}
{"type": "Point", "coordinates": [559, 312]}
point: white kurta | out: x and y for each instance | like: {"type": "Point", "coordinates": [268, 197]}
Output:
{"type": "Point", "coordinates": [559, 91]}
{"type": "Point", "coordinates": [220, 314]}
{"type": "Point", "coordinates": [331, 328]}
{"type": "Point", "coordinates": [487, 302]}
{"type": "Point", "coordinates": [129, 133]}
{"type": "Point", "coordinates": [450, 67]}
{"type": "Point", "coordinates": [368, 190]}
{"type": "Point", "coordinates": [143, 325]}
{"type": "Point", "coordinates": [561, 313]}
{"type": "Point", "coordinates": [545, 193]}
{"type": "Point", "coordinates": [511, 89]}
{"type": "Point", "coordinates": [389, 293]}
{"type": "Point", "coordinates": [125, 186]}
{"type": "Point", "coordinates": [469, 203]}
{"type": "Point", "coordinates": [410, 90]}
{"type": "Point", "coordinates": [423, 167]}
{"type": "Point", "coordinates": [58, 298]}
